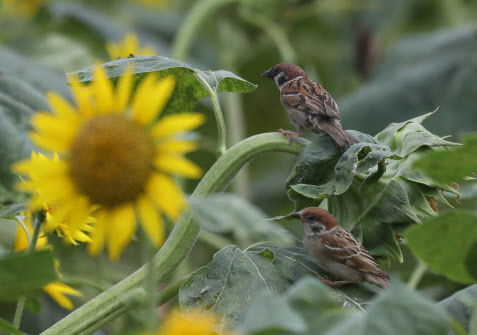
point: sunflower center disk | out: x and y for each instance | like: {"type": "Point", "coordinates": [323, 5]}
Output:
{"type": "Point", "coordinates": [111, 160]}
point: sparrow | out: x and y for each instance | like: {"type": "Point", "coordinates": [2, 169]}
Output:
{"type": "Point", "coordinates": [308, 104]}
{"type": "Point", "coordinates": [337, 251]}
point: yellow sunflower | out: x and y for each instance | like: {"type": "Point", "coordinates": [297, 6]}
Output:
{"type": "Point", "coordinates": [115, 156]}
{"type": "Point", "coordinates": [56, 290]}
{"type": "Point", "coordinates": [190, 322]}
{"type": "Point", "coordinates": [72, 230]}
{"type": "Point", "coordinates": [129, 45]}
{"type": "Point", "coordinates": [24, 8]}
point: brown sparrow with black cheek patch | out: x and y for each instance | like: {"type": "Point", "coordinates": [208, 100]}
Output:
{"type": "Point", "coordinates": [308, 104]}
{"type": "Point", "coordinates": [336, 251]}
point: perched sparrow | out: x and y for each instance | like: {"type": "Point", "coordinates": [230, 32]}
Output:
{"type": "Point", "coordinates": [337, 251]}
{"type": "Point", "coordinates": [308, 104]}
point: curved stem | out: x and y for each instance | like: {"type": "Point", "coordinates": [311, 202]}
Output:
{"type": "Point", "coordinates": [182, 238]}
{"type": "Point", "coordinates": [219, 117]}
{"type": "Point", "coordinates": [417, 275]}
{"type": "Point", "coordinates": [191, 24]}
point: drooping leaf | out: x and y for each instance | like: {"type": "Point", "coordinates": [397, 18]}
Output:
{"type": "Point", "coordinates": [449, 166]}
{"type": "Point", "coordinates": [13, 209]}
{"type": "Point", "coordinates": [14, 282]}
{"type": "Point", "coordinates": [8, 328]}
{"type": "Point", "coordinates": [444, 242]}
{"type": "Point", "coordinates": [234, 277]}
{"type": "Point", "coordinates": [189, 87]}
{"type": "Point", "coordinates": [230, 213]}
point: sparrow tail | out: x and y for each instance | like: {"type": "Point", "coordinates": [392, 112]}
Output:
{"type": "Point", "coordinates": [341, 137]}
{"type": "Point", "coordinates": [379, 277]}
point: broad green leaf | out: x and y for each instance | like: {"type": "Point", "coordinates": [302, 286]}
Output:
{"type": "Point", "coordinates": [230, 213]}
{"type": "Point", "coordinates": [8, 328]}
{"type": "Point", "coordinates": [397, 311]}
{"type": "Point", "coordinates": [234, 277]}
{"type": "Point", "coordinates": [25, 274]}
{"type": "Point", "coordinates": [269, 312]}
{"type": "Point", "coordinates": [457, 307]}
{"type": "Point", "coordinates": [451, 165]}
{"type": "Point", "coordinates": [371, 183]}
{"type": "Point", "coordinates": [189, 87]}
{"type": "Point", "coordinates": [318, 305]}
{"type": "Point", "coordinates": [444, 242]}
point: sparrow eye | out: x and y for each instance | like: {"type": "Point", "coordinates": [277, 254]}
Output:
{"type": "Point", "coordinates": [311, 218]}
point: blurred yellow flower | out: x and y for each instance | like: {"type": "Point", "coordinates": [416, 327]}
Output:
{"type": "Point", "coordinates": [115, 156]}
{"type": "Point", "coordinates": [21, 8]}
{"type": "Point", "coordinates": [129, 45]}
{"type": "Point", "coordinates": [190, 322]}
{"type": "Point", "coordinates": [71, 229]}
{"type": "Point", "coordinates": [56, 290]}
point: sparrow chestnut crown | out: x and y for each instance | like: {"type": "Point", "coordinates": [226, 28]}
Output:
{"type": "Point", "coordinates": [312, 214]}
{"type": "Point", "coordinates": [292, 71]}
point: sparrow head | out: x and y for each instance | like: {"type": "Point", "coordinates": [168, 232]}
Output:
{"type": "Point", "coordinates": [315, 220]}
{"type": "Point", "coordinates": [281, 73]}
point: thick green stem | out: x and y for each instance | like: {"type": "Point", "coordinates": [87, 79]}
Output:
{"type": "Point", "coordinates": [182, 238]}
{"type": "Point", "coordinates": [417, 275]}
{"type": "Point", "coordinates": [164, 296]}
{"type": "Point", "coordinates": [219, 117]}
{"type": "Point", "coordinates": [190, 26]}
{"type": "Point", "coordinates": [31, 248]}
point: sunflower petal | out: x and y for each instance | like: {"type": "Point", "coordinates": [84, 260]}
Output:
{"type": "Point", "coordinates": [166, 195]}
{"type": "Point", "coordinates": [151, 221]}
{"type": "Point", "coordinates": [57, 291]}
{"type": "Point", "coordinates": [98, 235]}
{"type": "Point", "coordinates": [178, 166]}
{"type": "Point", "coordinates": [175, 123]}
{"type": "Point", "coordinates": [177, 146]}
{"type": "Point", "coordinates": [120, 230]}
{"type": "Point", "coordinates": [152, 98]}
{"type": "Point", "coordinates": [102, 90]}
{"type": "Point", "coordinates": [123, 91]}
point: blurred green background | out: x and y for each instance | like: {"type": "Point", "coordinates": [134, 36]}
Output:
{"type": "Point", "coordinates": [383, 61]}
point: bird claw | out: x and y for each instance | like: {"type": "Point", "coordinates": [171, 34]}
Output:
{"type": "Point", "coordinates": [328, 282]}
{"type": "Point", "coordinates": [287, 133]}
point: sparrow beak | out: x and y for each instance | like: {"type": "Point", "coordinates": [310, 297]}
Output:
{"type": "Point", "coordinates": [267, 74]}
{"type": "Point", "coordinates": [297, 215]}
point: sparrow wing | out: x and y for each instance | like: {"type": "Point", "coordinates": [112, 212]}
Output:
{"type": "Point", "coordinates": [309, 96]}
{"type": "Point", "coordinates": [342, 247]}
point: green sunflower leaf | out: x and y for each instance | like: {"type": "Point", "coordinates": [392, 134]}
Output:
{"type": "Point", "coordinates": [227, 213]}
{"type": "Point", "coordinates": [371, 183]}
{"type": "Point", "coordinates": [15, 282]}
{"type": "Point", "coordinates": [189, 87]}
{"type": "Point", "coordinates": [448, 166]}
{"type": "Point", "coordinates": [8, 328]}
{"type": "Point", "coordinates": [228, 283]}
{"type": "Point", "coordinates": [444, 243]}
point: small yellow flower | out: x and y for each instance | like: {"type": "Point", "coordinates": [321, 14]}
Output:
{"type": "Point", "coordinates": [21, 8]}
{"type": "Point", "coordinates": [72, 230]}
{"type": "Point", "coordinates": [56, 290]}
{"type": "Point", "coordinates": [190, 322]}
{"type": "Point", "coordinates": [115, 156]}
{"type": "Point", "coordinates": [130, 45]}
